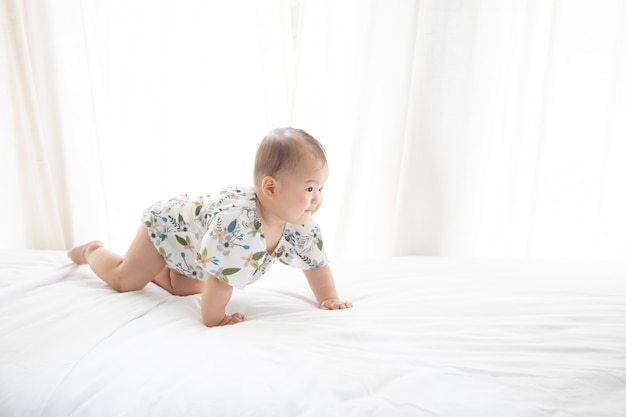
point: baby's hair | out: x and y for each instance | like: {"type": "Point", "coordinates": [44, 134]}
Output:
{"type": "Point", "coordinates": [281, 150]}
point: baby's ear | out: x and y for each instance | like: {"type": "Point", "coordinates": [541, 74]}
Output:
{"type": "Point", "coordinates": [268, 186]}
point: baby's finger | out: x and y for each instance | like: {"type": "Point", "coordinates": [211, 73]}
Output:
{"type": "Point", "coordinates": [236, 318]}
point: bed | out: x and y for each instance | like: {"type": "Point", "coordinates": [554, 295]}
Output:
{"type": "Point", "coordinates": [428, 336]}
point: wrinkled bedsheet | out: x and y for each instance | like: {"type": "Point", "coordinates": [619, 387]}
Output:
{"type": "Point", "coordinates": [428, 336]}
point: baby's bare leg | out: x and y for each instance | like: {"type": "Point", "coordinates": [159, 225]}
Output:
{"type": "Point", "coordinates": [131, 272]}
{"type": "Point", "coordinates": [176, 283]}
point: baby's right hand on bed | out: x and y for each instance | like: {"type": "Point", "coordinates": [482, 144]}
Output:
{"type": "Point", "coordinates": [231, 319]}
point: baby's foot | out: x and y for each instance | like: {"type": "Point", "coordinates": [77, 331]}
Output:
{"type": "Point", "coordinates": [78, 254]}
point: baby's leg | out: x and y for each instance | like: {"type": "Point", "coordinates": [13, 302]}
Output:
{"type": "Point", "coordinates": [178, 284]}
{"type": "Point", "coordinates": [131, 272]}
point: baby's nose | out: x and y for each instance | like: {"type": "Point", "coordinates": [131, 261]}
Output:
{"type": "Point", "coordinates": [315, 205]}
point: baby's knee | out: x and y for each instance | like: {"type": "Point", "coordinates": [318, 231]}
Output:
{"type": "Point", "coordinates": [124, 287]}
{"type": "Point", "coordinates": [120, 284]}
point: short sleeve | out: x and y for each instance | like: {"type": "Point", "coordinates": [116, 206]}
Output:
{"type": "Point", "coordinates": [233, 247]}
{"type": "Point", "coordinates": [304, 248]}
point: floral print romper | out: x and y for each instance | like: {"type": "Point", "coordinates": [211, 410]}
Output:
{"type": "Point", "coordinates": [222, 236]}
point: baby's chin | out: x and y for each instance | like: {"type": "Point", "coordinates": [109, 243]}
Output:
{"type": "Point", "coordinates": [305, 218]}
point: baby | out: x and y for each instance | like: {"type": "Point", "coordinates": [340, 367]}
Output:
{"type": "Point", "coordinates": [210, 244]}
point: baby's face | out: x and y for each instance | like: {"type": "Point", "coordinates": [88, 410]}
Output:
{"type": "Point", "coordinates": [300, 191]}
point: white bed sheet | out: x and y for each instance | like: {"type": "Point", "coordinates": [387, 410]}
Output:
{"type": "Point", "coordinates": [428, 336]}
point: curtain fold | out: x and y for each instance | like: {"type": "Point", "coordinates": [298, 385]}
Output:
{"type": "Point", "coordinates": [145, 99]}
{"type": "Point", "coordinates": [506, 123]}
{"type": "Point", "coordinates": [43, 212]}
{"type": "Point", "coordinates": [478, 128]}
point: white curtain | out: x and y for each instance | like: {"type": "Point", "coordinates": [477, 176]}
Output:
{"type": "Point", "coordinates": [120, 103]}
{"type": "Point", "coordinates": [457, 128]}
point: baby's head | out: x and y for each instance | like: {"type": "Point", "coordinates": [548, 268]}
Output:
{"type": "Point", "coordinates": [282, 149]}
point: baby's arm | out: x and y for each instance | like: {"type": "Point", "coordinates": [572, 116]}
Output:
{"type": "Point", "coordinates": [323, 286]}
{"type": "Point", "coordinates": [215, 296]}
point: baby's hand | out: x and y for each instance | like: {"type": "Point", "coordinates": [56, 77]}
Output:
{"type": "Point", "coordinates": [231, 319]}
{"type": "Point", "coordinates": [335, 304]}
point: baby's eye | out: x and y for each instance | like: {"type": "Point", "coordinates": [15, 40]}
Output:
{"type": "Point", "coordinates": [309, 189]}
